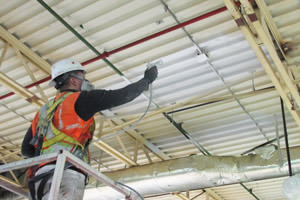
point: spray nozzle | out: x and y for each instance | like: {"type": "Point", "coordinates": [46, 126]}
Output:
{"type": "Point", "coordinates": [156, 63]}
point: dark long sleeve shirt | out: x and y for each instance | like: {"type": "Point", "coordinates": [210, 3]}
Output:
{"type": "Point", "coordinates": [91, 102]}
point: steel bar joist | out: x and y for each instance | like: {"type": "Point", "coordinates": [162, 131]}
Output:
{"type": "Point", "coordinates": [20, 90]}
{"type": "Point", "coordinates": [280, 78]}
{"type": "Point", "coordinates": [13, 187]}
{"type": "Point", "coordinates": [26, 51]}
{"type": "Point", "coordinates": [281, 68]}
{"type": "Point", "coordinates": [32, 56]}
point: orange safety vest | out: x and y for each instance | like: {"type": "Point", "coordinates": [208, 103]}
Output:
{"type": "Point", "coordinates": [67, 121]}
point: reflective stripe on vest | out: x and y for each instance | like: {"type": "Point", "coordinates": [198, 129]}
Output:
{"type": "Point", "coordinates": [67, 121]}
{"type": "Point", "coordinates": [71, 139]}
{"type": "Point", "coordinates": [58, 135]}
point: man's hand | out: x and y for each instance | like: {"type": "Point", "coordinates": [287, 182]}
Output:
{"type": "Point", "coordinates": [151, 74]}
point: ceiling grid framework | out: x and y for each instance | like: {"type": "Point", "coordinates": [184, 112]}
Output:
{"type": "Point", "coordinates": [223, 98]}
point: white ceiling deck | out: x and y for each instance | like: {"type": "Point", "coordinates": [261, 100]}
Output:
{"type": "Point", "coordinates": [236, 106]}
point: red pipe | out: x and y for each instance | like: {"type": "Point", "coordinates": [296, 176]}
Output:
{"type": "Point", "coordinates": [28, 86]}
{"type": "Point", "coordinates": [173, 28]}
{"type": "Point", "coordinates": [107, 54]}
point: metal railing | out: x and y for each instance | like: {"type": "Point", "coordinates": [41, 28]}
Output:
{"type": "Point", "coordinates": [61, 158]}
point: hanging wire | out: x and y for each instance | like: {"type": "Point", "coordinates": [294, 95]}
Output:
{"type": "Point", "coordinates": [141, 197]}
{"type": "Point", "coordinates": [133, 125]}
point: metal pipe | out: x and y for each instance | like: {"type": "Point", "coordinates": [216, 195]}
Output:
{"type": "Point", "coordinates": [155, 35]}
{"type": "Point", "coordinates": [196, 172]}
{"type": "Point", "coordinates": [286, 138]}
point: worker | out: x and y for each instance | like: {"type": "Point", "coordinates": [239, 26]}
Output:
{"type": "Point", "coordinates": [67, 122]}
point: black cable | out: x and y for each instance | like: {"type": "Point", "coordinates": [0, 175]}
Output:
{"type": "Point", "coordinates": [142, 198]}
{"type": "Point", "coordinates": [195, 106]}
{"type": "Point", "coordinates": [211, 102]}
{"type": "Point", "coordinates": [286, 138]}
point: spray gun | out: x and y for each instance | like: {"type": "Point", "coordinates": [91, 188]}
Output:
{"type": "Point", "coordinates": [157, 63]}
{"type": "Point", "coordinates": [154, 64]}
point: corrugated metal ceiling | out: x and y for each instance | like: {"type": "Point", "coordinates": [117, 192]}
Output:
{"type": "Point", "coordinates": [247, 106]}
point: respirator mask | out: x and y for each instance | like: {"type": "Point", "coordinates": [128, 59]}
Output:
{"type": "Point", "coordinates": [86, 85]}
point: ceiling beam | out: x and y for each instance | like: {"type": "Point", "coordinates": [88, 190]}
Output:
{"type": "Point", "coordinates": [159, 153]}
{"type": "Point", "coordinates": [30, 54]}
{"type": "Point", "coordinates": [10, 154]}
{"type": "Point", "coordinates": [123, 146]}
{"type": "Point", "coordinates": [266, 14]}
{"type": "Point", "coordinates": [278, 38]}
{"type": "Point", "coordinates": [12, 84]}
{"type": "Point", "coordinates": [13, 187]}
{"type": "Point", "coordinates": [20, 90]}
{"type": "Point", "coordinates": [109, 149]}
{"type": "Point", "coordinates": [30, 73]}
{"type": "Point", "coordinates": [181, 196]}
{"type": "Point", "coordinates": [280, 87]}
{"type": "Point", "coordinates": [138, 137]}
{"type": "Point", "coordinates": [11, 173]}
{"type": "Point", "coordinates": [3, 52]}
{"type": "Point", "coordinates": [114, 153]}
{"type": "Point", "coordinates": [281, 68]}
{"type": "Point", "coordinates": [213, 194]}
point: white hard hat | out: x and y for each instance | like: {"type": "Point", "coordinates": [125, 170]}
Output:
{"type": "Point", "coordinates": [64, 66]}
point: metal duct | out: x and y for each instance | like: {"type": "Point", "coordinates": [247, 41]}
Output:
{"type": "Point", "coordinates": [196, 172]}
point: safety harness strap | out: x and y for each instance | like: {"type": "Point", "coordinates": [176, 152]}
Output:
{"type": "Point", "coordinates": [38, 138]}
{"type": "Point", "coordinates": [40, 191]}
{"type": "Point", "coordinates": [32, 181]}
{"type": "Point", "coordinates": [53, 105]}
{"type": "Point", "coordinates": [44, 177]}
{"type": "Point", "coordinates": [59, 136]}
